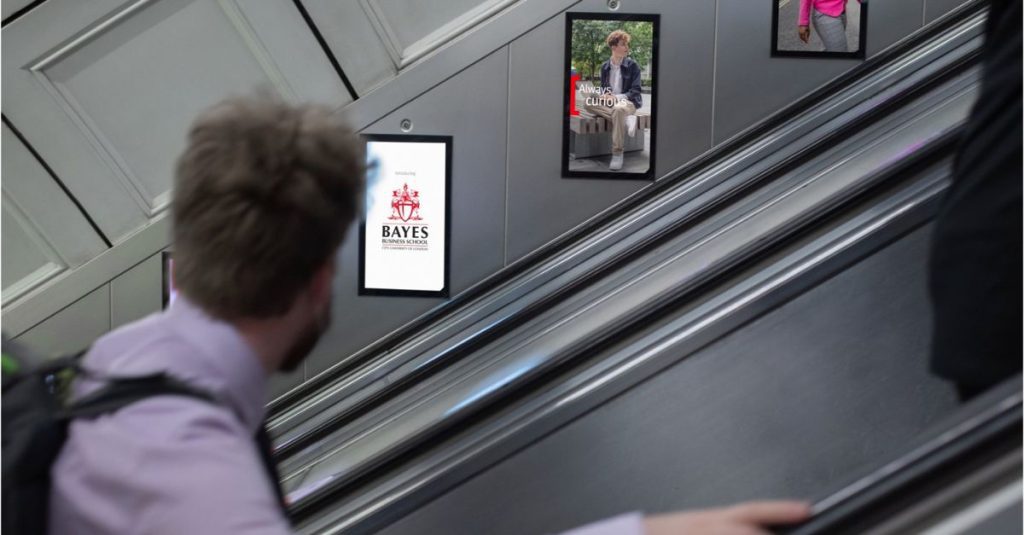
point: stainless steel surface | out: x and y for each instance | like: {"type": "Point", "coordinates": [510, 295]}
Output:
{"type": "Point", "coordinates": [749, 84]}
{"type": "Point", "coordinates": [44, 234]}
{"type": "Point", "coordinates": [889, 22]}
{"type": "Point", "coordinates": [933, 9]}
{"type": "Point", "coordinates": [369, 441]}
{"type": "Point", "coordinates": [101, 80]}
{"type": "Point", "coordinates": [1000, 514]}
{"type": "Point", "coordinates": [793, 403]}
{"type": "Point", "coordinates": [541, 204]}
{"type": "Point", "coordinates": [684, 261]}
{"type": "Point", "coordinates": [976, 504]}
{"type": "Point", "coordinates": [538, 210]}
{"type": "Point", "coordinates": [345, 28]}
{"type": "Point", "coordinates": [476, 234]}
{"type": "Point", "coordinates": [922, 452]}
{"type": "Point", "coordinates": [700, 191]}
{"type": "Point", "coordinates": [73, 328]}
{"type": "Point", "coordinates": [963, 476]}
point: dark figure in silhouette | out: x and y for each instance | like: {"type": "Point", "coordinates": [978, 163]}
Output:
{"type": "Point", "coordinates": [975, 266]}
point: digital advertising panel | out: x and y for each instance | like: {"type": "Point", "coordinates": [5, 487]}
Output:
{"type": "Point", "coordinates": [610, 95]}
{"type": "Point", "coordinates": [405, 228]}
{"type": "Point", "coordinates": [819, 28]}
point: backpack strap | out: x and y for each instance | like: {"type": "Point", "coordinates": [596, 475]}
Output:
{"type": "Point", "coordinates": [28, 370]}
{"type": "Point", "coordinates": [124, 391]}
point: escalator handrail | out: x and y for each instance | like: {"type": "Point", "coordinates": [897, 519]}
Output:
{"type": "Point", "coordinates": [991, 423]}
{"type": "Point", "coordinates": [644, 195]}
{"type": "Point", "coordinates": [879, 111]}
{"type": "Point", "coordinates": [924, 156]}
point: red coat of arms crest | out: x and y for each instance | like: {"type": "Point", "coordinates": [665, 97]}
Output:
{"type": "Point", "coordinates": [405, 204]}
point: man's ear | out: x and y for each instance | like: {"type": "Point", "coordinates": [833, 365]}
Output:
{"type": "Point", "coordinates": [322, 285]}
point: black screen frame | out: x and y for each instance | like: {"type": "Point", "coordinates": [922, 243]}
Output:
{"type": "Point", "coordinates": [445, 291]}
{"type": "Point", "coordinates": [653, 18]}
{"type": "Point", "coordinates": [859, 54]}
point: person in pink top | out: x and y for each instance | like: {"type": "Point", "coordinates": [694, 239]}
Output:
{"type": "Point", "coordinates": [829, 18]}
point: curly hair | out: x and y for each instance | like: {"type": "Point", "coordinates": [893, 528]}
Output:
{"type": "Point", "coordinates": [616, 36]}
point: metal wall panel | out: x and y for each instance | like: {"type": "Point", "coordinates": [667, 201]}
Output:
{"type": "Point", "coordinates": [750, 85]}
{"type": "Point", "coordinates": [541, 204]}
{"type": "Point", "coordinates": [293, 51]}
{"type": "Point", "coordinates": [795, 404]}
{"type": "Point", "coordinates": [56, 216]}
{"type": "Point", "coordinates": [412, 30]}
{"type": "Point", "coordinates": [64, 290]}
{"type": "Point", "coordinates": [138, 292]}
{"type": "Point", "coordinates": [451, 58]}
{"type": "Point", "coordinates": [934, 9]}
{"type": "Point", "coordinates": [30, 261]}
{"type": "Point", "coordinates": [125, 75]}
{"type": "Point", "coordinates": [470, 108]}
{"type": "Point", "coordinates": [357, 46]}
{"type": "Point", "coordinates": [892, 21]}
{"type": "Point", "coordinates": [10, 7]}
{"type": "Point", "coordinates": [73, 328]}
{"type": "Point", "coordinates": [1006, 521]}
{"type": "Point", "coordinates": [280, 383]}
{"type": "Point", "coordinates": [105, 90]}
{"type": "Point", "coordinates": [44, 233]}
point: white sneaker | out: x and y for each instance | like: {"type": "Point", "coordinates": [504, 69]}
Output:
{"type": "Point", "coordinates": [616, 162]}
{"type": "Point", "coordinates": [631, 125]}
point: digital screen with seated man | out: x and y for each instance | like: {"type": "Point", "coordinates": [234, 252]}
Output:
{"type": "Point", "coordinates": [610, 126]}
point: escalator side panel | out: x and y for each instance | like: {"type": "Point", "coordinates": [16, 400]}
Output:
{"type": "Point", "coordinates": [788, 405]}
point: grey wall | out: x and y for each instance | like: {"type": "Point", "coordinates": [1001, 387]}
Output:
{"type": "Point", "coordinates": [75, 327]}
{"type": "Point", "coordinates": [471, 108]}
{"type": "Point", "coordinates": [44, 234]}
{"type": "Point", "coordinates": [496, 88]}
{"type": "Point", "coordinates": [9, 7]}
{"type": "Point", "coordinates": [508, 197]}
{"type": "Point", "coordinates": [934, 9]}
{"type": "Point", "coordinates": [797, 404]}
{"type": "Point", "coordinates": [542, 205]}
{"type": "Point", "coordinates": [749, 85]}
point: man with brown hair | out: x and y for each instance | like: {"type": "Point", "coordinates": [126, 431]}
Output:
{"type": "Point", "coordinates": [263, 196]}
{"type": "Point", "coordinates": [620, 94]}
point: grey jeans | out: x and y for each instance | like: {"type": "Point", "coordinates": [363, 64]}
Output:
{"type": "Point", "coordinates": [832, 31]}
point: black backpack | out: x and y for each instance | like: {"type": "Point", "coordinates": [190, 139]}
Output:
{"type": "Point", "coordinates": [34, 428]}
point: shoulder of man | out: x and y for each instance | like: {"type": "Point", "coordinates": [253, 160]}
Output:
{"type": "Point", "coordinates": [146, 347]}
{"type": "Point", "coordinates": [167, 427]}
{"type": "Point", "coordinates": [169, 464]}
{"type": "Point", "coordinates": [211, 474]}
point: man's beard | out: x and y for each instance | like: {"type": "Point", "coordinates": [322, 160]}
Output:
{"type": "Point", "coordinates": [306, 342]}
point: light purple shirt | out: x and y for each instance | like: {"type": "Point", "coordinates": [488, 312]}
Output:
{"type": "Point", "coordinates": [174, 465]}
{"type": "Point", "coordinates": [170, 464]}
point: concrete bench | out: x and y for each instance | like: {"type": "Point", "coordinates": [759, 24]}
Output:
{"type": "Point", "coordinates": [591, 135]}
